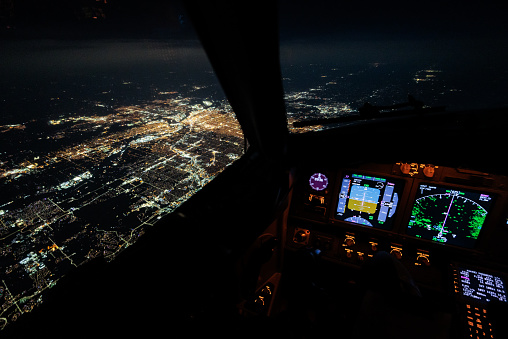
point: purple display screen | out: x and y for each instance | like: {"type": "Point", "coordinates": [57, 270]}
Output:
{"type": "Point", "coordinates": [318, 181]}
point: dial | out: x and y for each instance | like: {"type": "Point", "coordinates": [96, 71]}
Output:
{"type": "Point", "coordinates": [429, 171]}
{"type": "Point", "coordinates": [410, 169]}
{"type": "Point", "coordinates": [318, 181]}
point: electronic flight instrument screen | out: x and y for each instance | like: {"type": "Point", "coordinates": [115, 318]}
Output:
{"type": "Point", "coordinates": [368, 200]}
{"type": "Point", "coordinates": [448, 215]}
{"type": "Point", "coordinates": [482, 287]}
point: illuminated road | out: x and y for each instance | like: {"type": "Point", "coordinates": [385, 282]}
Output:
{"type": "Point", "coordinates": [113, 176]}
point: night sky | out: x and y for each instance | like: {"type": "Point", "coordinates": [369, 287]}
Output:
{"type": "Point", "coordinates": [469, 37]}
{"type": "Point", "coordinates": [406, 19]}
{"type": "Point", "coordinates": [124, 18]}
{"type": "Point", "coordinates": [91, 19]}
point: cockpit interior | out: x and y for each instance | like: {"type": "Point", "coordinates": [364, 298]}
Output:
{"type": "Point", "coordinates": [386, 226]}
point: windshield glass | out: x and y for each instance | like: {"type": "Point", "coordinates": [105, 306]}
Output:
{"type": "Point", "coordinates": [337, 56]}
{"type": "Point", "coordinates": [111, 117]}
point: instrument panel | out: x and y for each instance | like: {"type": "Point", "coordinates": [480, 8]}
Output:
{"type": "Point", "coordinates": [427, 216]}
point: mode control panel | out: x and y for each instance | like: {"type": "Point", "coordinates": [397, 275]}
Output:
{"type": "Point", "coordinates": [355, 248]}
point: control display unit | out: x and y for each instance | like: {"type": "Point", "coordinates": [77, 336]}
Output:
{"type": "Point", "coordinates": [482, 287]}
{"type": "Point", "coordinates": [448, 215]}
{"type": "Point", "coordinates": [368, 200]}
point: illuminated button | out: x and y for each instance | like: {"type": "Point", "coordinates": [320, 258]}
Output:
{"type": "Point", "coordinates": [349, 241]}
{"type": "Point", "coordinates": [260, 300]}
{"type": "Point", "coordinates": [266, 290]}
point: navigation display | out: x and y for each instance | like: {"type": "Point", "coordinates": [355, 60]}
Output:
{"type": "Point", "coordinates": [482, 286]}
{"type": "Point", "coordinates": [448, 215]}
{"type": "Point", "coordinates": [368, 200]}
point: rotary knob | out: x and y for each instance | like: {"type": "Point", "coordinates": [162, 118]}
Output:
{"type": "Point", "coordinates": [349, 241]}
{"type": "Point", "coordinates": [423, 260]}
{"type": "Point", "coordinates": [428, 171]}
{"type": "Point", "coordinates": [409, 169]}
{"type": "Point", "coordinates": [397, 253]}
{"type": "Point", "coordinates": [405, 168]}
{"type": "Point", "coordinates": [301, 236]}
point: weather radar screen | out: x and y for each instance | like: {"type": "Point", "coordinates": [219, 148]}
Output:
{"type": "Point", "coordinates": [448, 215]}
{"type": "Point", "coordinates": [368, 200]}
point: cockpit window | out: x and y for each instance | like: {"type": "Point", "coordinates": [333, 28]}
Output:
{"type": "Point", "coordinates": [111, 117]}
{"type": "Point", "coordinates": [337, 56]}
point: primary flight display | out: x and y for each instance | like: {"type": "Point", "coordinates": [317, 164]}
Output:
{"type": "Point", "coordinates": [368, 200]}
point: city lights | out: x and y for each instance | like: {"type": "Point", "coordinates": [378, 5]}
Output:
{"type": "Point", "coordinates": [109, 177]}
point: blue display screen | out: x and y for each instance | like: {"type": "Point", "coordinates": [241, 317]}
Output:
{"type": "Point", "coordinates": [368, 200]}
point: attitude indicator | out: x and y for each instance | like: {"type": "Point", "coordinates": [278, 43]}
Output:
{"type": "Point", "coordinates": [368, 200]}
